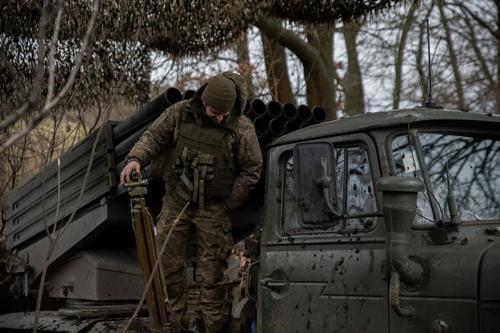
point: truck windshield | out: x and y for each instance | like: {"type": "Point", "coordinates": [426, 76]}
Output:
{"type": "Point", "coordinates": [472, 163]}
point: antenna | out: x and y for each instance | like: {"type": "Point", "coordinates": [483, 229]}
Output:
{"type": "Point", "coordinates": [429, 97]}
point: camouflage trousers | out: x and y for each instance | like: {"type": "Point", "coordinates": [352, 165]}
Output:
{"type": "Point", "coordinates": [211, 227]}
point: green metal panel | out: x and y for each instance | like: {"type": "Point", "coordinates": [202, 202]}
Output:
{"type": "Point", "coordinates": [319, 281]}
{"type": "Point", "coordinates": [329, 287]}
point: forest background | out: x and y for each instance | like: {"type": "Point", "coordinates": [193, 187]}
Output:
{"type": "Point", "coordinates": [66, 67]}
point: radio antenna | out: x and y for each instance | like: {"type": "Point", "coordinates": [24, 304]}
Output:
{"type": "Point", "coordinates": [429, 97]}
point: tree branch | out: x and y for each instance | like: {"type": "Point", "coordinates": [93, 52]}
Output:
{"type": "Point", "coordinates": [53, 48]}
{"type": "Point", "coordinates": [291, 40]}
{"type": "Point", "coordinates": [33, 99]}
{"type": "Point", "coordinates": [69, 83]}
{"type": "Point", "coordinates": [56, 233]}
{"type": "Point", "coordinates": [483, 23]}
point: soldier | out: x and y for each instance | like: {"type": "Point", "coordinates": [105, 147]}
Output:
{"type": "Point", "coordinates": [212, 159]}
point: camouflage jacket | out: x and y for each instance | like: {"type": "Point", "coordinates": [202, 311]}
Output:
{"type": "Point", "coordinates": [156, 145]}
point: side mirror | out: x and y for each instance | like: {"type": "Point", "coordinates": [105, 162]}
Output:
{"type": "Point", "coordinates": [315, 182]}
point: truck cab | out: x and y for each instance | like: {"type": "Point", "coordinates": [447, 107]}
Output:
{"type": "Point", "coordinates": [327, 253]}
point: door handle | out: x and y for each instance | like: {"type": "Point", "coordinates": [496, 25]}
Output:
{"type": "Point", "coordinates": [273, 284]}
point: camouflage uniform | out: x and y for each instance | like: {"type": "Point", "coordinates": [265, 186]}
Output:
{"type": "Point", "coordinates": [210, 222]}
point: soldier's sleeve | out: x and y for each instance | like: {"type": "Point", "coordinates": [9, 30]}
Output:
{"type": "Point", "coordinates": [248, 164]}
{"type": "Point", "coordinates": [158, 135]}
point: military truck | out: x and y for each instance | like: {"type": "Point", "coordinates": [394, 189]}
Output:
{"type": "Point", "coordinates": [383, 222]}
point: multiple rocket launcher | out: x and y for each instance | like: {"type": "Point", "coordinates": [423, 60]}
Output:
{"type": "Point", "coordinates": [39, 203]}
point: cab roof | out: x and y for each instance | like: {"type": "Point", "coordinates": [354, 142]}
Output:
{"type": "Point", "coordinates": [369, 121]}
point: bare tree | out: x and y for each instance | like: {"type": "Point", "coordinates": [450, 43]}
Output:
{"type": "Point", "coordinates": [353, 81]}
{"type": "Point", "coordinates": [316, 69]}
{"type": "Point", "coordinates": [245, 67]}
{"type": "Point", "coordinates": [51, 99]}
{"type": "Point", "coordinates": [320, 37]}
{"type": "Point", "coordinates": [487, 16]}
{"type": "Point", "coordinates": [277, 68]}
{"type": "Point", "coordinates": [405, 29]}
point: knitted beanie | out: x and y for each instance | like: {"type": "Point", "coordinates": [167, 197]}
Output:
{"type": "Point", "coordinates": [220, 94]}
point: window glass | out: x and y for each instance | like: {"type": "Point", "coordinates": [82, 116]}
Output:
{"type": "Point", "coordinates": [459, 167]}
{"type": "Point", "coordinates": [354, 194]}
{"type": "Point", "coordinates": [466, 167]}
{"type": "Point", "coordinates": [290, 211]}
{"type": "Point", "coordinates": [360, 194]}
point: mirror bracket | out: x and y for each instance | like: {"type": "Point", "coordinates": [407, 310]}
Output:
{"type": "Point", "coordinates": [325, 182]}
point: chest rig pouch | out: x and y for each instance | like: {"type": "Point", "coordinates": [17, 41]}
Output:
{"type": "Point", "coordinates": [204, 160]}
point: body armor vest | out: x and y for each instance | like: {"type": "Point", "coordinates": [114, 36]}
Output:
{"type": "Point", "coordinates": [203, 160]}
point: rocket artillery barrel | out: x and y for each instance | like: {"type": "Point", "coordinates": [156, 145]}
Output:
{"type": "Point", "coordinates": [188, 94]}
{"type": "Point", "coordinates": [289, 111]}
{"type": "Point", "coordinates": [273, 110]}
{"type": "Point", "coordinates": [304, 113]}
{"type": "Point", "coordinates": [173, 95]}
{"type": "Point", "coordinates": [276, 127]}
{"type": "Point", "coordinates": [261, 126]}
{"type": "Point", "coordinates": [148, 114]}
{"type": "Point", "coordinates": [291, 125]}
{"type": "Point", "coordinates": [127, 132]}
{"type": "Point", "coordinates": [318, 114]}
{"type": "Point", "coordinates": [122, 148]}
{"type": "Point", "coordinates": [257, 109]}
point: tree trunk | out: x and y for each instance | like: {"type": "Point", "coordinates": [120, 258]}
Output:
{"type": "Point", "coordinates": [244, 66]}
{"type": "Point", "coordinates": [353, 82]}
{"type": "Point", "coordinates": [453, 58]}
{"type": "Point", "coordinates": [277, 68]}
{"type": "Point", "coordinates": [311, 59]}
{"type": "Point", "coordinates": [400, 54]}
{"type": "Point", "coordinates": [320, 37]}
{"type": "Point", "coordinates": [326, 40]}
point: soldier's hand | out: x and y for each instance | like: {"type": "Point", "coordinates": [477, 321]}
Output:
{"type": "Point", "coordinates": [128, 170]}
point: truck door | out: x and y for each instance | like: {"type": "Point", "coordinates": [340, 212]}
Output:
{"type": "Point", "coordinates": [321, 262]}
